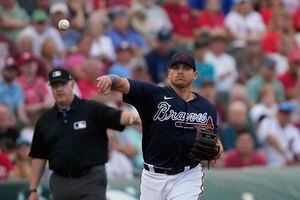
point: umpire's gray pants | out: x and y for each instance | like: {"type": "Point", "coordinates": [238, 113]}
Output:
{"type": "Point", "coordinates": [88, 187]}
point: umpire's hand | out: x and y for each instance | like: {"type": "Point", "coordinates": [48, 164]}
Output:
{"type": "Point", "coordinates": [104, 84]}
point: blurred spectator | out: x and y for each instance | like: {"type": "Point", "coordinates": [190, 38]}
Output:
{"type": "Point", "coordinates": [121, 31]}
{"type": "Point", "coordinates": [22, 162]}
{"type": "Point", "coordinates": [205, 70]}
{"type": "Point", "coordinates": [8, 134]}
{"type": "Point", "coordinates": [238, 93]}
{"type": "Point", "coordinates": [114, 3]}
{"type": "Point", "coordinates": [248, 60]}
{"type": "Point", "coordinates": [140, 70]}
{"type": "Point", "coordinates": [268, 8]}
{"type": "Point", "coordinates": [7, 47]}
{"type": "Point", "coordinates": [291, 5]}
{"type": "Point", "coordinates": [237, 119]}
{"type": "Point", "coordinates": [296, 19]}
{"type": "Point", "coordinates": [266, 106]}
{"type": "Point", "coordinates": [208, 90]}
{"type": "Point", "coordinates": [224, 64]}
{"type": "Point", "coordinates": [70, 36]}
{"type": "Point", "coordinates": [37, 98]}
{"type": "Point", "coordinates": [267, 74]}
{"type": "Point", "coordinates": [291, 78]}
{"type": "Point", "coordinates": [50, 56]}
{"type": "Point", "coordinates": [183, 22]}
{"type": "Point", "coordinates": [75, 61]}
{"type": "Point", "coordinates": [134, 137]}
{"type": "Point", "coordinates": [149, 18]}
{"type": "Point", "coordinates": [78, 14]}
{"type": "Point", "coordinates": [39, 30]}
{"type": "Point", "coordinates": [211, 19]}
{"type": "Point", "coordinates": [244, 23]}
{"type": "Point", "coordinates": [118, 166]}
{"type": "Point", "coordinates": [281, 139]}
{"type": "Point", "coordinates": [102, 45]}
{"type": "Point", "coordinates": [122, 66]}
{"type": "Point", "coordinates": [226, 6]}
{"type": "Point", "coordinates": [6, 166]}
{"type": "Point", "coordinates": [92, 68]}
{"type": "Point", "coordinates": [10, 92]}
{"type": "Point", "coordinates": [243, 155]}
{"type": "Point", "coordinates": [13, 18]}
{"type": "Point", "coordinates": [196, 4]}
{"type": "Point", "coordinates": [24, 44]}
{"type": "Point", "coordinates": [280, 37]}
{"type": "Point", "coordinates": [157, 59]}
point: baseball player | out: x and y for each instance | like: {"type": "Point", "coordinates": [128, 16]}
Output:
{"type": "Point", "coordinates": [179, 130]}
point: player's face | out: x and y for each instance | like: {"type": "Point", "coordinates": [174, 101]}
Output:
{"type": "Point", "coordinates": [63, 93]}
{"type": "Point", "coordinates": [181, 75]}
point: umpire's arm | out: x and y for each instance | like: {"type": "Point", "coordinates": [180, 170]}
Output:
{"type": "Point", "coordinates": [37, 170]}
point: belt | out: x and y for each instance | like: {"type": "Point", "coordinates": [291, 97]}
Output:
{"type": "Point", "coordinates": [168, 171]}
{"type": "Point", "coordinates": [74, 172]}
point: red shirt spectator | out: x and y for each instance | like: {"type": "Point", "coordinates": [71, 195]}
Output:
{"type": "Point", "coordinates": [35, 90]}
{"type": "Point", "coordinates": [244, 154]}
{"type": "Point", "coordinates": [211, 20]}
{"type": "Point", "coordinates": [296, 20]}
{"type": "Point", "coordinates": [88, 89]}
{"type": "Point", "coordinates": [234, 159]}
{"type": "Point", "coordinates": [266, 14]}
{"type": "Point", "coordinates": [181, 18]}
{"type": "Point", "coordinates": [271, 42]}
{"type": "Point", "coordinates": [5, 166]}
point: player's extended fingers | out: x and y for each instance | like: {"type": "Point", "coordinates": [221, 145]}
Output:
{"type": "Point", "coordinates": [103, 83]}
{"type": "Point", "coordinates": [106, 87]}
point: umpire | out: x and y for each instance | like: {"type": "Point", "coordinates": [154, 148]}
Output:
{"type": "Point", "coordinates": [72, 137]}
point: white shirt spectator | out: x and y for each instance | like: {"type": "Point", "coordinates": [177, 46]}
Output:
{"type": "Point", "coordinates": [118, 166]}
{"type": "Point", "coordinates": [103, 45]}
{"type": "Point", "coordinates": [259, 110]}
{"type": "Point", "coordinates": [38, 38]}
{"type": "Point", "coordinates": [225, 69]}
{"type": "Point", "coordinates": [288, 137]}
{"type": "Point", "coordinates": [244, 26]}
{"type": "Point", "coordinates": [156, 18]}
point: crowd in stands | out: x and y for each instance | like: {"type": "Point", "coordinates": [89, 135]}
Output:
{"type": "Point", "coordinates": [248, 61]}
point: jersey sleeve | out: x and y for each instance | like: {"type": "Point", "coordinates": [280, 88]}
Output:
{"type": "Point", "coordinates": [38, 147]}
{"type": "Point", "coordinates": [108, 117]}
{"type": "Point", "coordinates": [140, 94]}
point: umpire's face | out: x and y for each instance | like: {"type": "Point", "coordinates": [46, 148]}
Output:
{"type": "Point", "coordinates": [181, 75]}
{"type": "Point", "coordinates": [63, 92]}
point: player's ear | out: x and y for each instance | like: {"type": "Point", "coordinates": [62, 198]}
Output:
{"type": "Point", "coordinates": [195, 75]}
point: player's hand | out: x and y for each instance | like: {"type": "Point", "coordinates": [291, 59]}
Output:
{"type": "Point", "coordinates": [33, 196]}
{"type": "Point", "coordinates": [104, 84]}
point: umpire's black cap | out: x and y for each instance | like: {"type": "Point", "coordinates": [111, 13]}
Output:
{"type": "Point", "coordinates": [59, 75]}
{"type": "Point", "coordinates": [183, 57]}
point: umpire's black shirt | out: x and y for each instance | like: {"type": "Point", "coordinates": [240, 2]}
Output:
{"type": "Point", "coordinates": [76, 137]}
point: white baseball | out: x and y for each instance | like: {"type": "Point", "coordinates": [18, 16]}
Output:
{"type": "Point", "coordinates": [63, 24]}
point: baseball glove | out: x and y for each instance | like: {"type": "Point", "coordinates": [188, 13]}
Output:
{"type": "Point", "coordinates": [205, 146]}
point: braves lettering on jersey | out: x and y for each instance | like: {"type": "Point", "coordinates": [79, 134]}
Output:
{"type": "Point", "coordinates": [169, 122]}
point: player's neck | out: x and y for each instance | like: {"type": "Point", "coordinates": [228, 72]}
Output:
{"type": "Point", "coordinates": [185, 93]}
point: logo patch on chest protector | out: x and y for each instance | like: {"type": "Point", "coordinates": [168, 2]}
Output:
{"type": "Point", "coordinates": [79, 125]}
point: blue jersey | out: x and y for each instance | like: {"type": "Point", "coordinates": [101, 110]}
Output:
{"type": "Point", "coordinates": [169, 122]}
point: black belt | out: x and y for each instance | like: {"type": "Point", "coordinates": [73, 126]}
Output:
{"type": "Point", "coordinates": [74, 172]}
{"type": "Point", "coordinates": [168, 171]}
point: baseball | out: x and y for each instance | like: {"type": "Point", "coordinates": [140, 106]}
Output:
{"type": "Point", "coordinates": [63, 24]}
